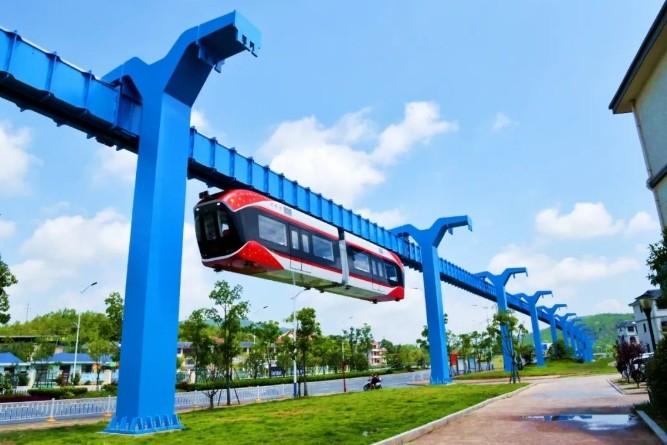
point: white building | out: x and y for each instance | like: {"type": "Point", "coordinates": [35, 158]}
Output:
{"type": "Point", "coordinates": [627, 332]}
{"type": "Point", "coordinates": [658, 319]}
{"type": "Point", "coordinates": [643, 92]}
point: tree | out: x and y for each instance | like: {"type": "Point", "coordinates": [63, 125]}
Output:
{"type": "Point", "coordinates": [41, 359]}
{"type": "Point", "coordinates": [657, 263]}
{"type": "Point", "coordinates": [114, 325]}
{"type": "Point", "coordinates": [307, 328]}
{"type": "Point", "coordinates": [625, 353]}
{"type": "Point", "coordinates": [266, 335]}
{"type": "Point", "coordinates": [361, 343]}
{"type": "Point", "coordinates": [197, 330]}
{"type": "Point", "coordinates": [646, 306]}
{"type": "Point", "coordinates": [7, 279]}
{"type": "Point", "coordinates": [656, 378]}
{"type": "Point", "coordinates": [507, 338]}
{"type": "Point", "coordinates": [99, 350]}
{"type": "Point", "coordinates": [228, 322]}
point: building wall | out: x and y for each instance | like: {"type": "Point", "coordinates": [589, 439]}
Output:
{"type": "Point", "coordinates": [658, 317]}
{"type": "Point", "coordinates": [651, 115]}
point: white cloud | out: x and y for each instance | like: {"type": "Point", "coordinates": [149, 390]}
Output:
{"type": "Point", "coordinates": [39, 275]}
{"type": "Point", "coordinates": [16, 160]}
{"type": "Point", "coordinates": [587, 220]}
{"type": "Point", "coordinates": [115, 165]}
{"type": "Point", "coordinates": [421, 123]}
{"type": "Point", "coordinates": [7, 229]}
{"type": "Point", "coordinates": [642, 222]}
{"type": "Point", "coordinates": [386, 218]}
{"type": "Point", "coordinates": [199, 121]}
{"type": "Point", "coordinates": [564, 274]}
{"type": "Point", "coordinates": [612, 306]}
{"type": "Point", "coordinates": [590, 220]}
{"type": "Point", "coordinates": [325, 160]}
{"type": "Point", "coordinates": [69, 241]}
{"type": "Point", "coordinates": [502, 121]}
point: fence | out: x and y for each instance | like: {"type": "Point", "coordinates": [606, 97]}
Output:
{"type": "Point", "coordinates": [52, 410]}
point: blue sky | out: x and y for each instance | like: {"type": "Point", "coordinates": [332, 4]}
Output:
{"type": "Point", "coordinates": [497, 110]}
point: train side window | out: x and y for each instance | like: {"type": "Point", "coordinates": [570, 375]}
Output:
{"type": "Point", "coordinates": [392, 273]}
{"type": "Point", "coordinates": [222, 222]}
{"type": "Point", "coordinates": [373, 267]}
{"type": "Point", "coordinates": [272, 230]}
{"type": "Point", "coordinates": [360, 261]}
{"type": "Point", "coordinates": [305, 245]}
{"type": "Point", "coordinates": [380, 271]}
{"type": "Point", "coordinates": [295, 239]}
{"type": "Point", "coordinates": [323, 248]}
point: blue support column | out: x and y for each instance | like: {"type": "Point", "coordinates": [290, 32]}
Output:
{"type": "Point", "coordinates": [532, 304]}
{"type": "Point", "coordinates": [167, 89]}
{"type": "Point", "coordinates": [428, 241]}
{"type": "Point", "coordinates": [499, 282]}
{"type": "Point", "coordinates": [551, 314]}
{"type": "Point", "coordinates": [567, 335]}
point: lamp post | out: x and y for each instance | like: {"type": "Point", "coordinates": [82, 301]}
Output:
{"type": "Point", "coordinates": [486, 311]}
{"type": "Point", "coordinates": [78, 328]}
{"type": "Point", "coordinates": [646, 306]}
{"type": "Point", "coordinates": [294, 337]}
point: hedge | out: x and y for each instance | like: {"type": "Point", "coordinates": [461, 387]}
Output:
{"type": "Point", "coordinates": [58, 393]}
{"type": "Point", "coordinates": [243, 383]}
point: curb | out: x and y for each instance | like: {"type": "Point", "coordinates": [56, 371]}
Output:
{"type": "Point", "coordinates": [654, 426]}
{"type": "Point", "coordinates": [415, 433]}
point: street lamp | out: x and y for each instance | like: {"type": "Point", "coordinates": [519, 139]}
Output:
{"type": "Point", "coordinates": [294, 336]}
{"type": "Point", "coordinates": [645, 307]}
{"type": "Point", "coordinates": [486, 311]}
{"type": "Point", "coordinates": [78, 327]}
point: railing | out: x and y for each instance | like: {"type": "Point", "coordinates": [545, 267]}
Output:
{"type": "Point", "coordinates": [52, 410]}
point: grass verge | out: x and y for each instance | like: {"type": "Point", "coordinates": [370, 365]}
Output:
{"type": "Point", "coordinates": [553, 367]}
{"type": "Point", "coordinates": [352, 418]}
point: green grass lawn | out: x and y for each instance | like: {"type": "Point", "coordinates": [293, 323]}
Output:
{"type": "Point", "coordinates": [559, 367]}
{"type": "Point", "coordinates": [352, 418]}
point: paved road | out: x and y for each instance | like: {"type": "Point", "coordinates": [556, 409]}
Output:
{"type": "Point", "coordinates": [357, 384]}
{"type": "Point", "coordinates": [505, 421]}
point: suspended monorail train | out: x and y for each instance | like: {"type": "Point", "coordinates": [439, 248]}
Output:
{"type": "Point", "coordinates": [246, 232]}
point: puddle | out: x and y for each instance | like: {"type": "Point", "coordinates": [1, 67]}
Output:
{"type": "Point", "coordinates": [593, 422]}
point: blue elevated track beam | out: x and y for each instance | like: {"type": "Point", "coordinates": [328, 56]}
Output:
{"type": "Point", "coordinates": [36, 79]}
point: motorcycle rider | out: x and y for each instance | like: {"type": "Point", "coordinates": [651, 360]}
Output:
{"type": "Point", "coordinates": [375, 380]}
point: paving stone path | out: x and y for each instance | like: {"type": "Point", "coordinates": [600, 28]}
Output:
{"type": "Point", "coordinates": [520, 419]}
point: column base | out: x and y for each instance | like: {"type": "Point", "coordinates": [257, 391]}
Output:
{"type": "Point", "coordinates": [143, 425]}
{"type": "Point", "coordinates": [442, 381]}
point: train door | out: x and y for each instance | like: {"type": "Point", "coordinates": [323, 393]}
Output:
{"type": "Point", "coordinates": [295, 249]}
{"type": "Point", "coordinates": [377, 269]}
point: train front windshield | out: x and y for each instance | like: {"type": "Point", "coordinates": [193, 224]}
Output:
{"type": "Point", "coordinates": [216, 233]}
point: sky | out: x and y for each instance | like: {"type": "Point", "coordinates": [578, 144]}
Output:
{"type": "Point", "coordinates": [496, 110]}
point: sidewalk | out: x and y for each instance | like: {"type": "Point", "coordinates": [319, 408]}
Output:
{"type": "Point", "coordinates": [520, 418]}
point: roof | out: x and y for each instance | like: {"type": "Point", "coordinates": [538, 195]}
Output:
{"type": "Point", "coordinates": [68, 357]}
{"type": "Point", "coordinates": [7, 358]}
{"type": "Point", "coordinates": [652, 294]}
{"type": "Point", "coordinates": [647, 58]}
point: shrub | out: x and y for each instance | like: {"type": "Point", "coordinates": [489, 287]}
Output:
{"type": "Point", "coordinates": [558, 351]}
{"type": "Point", "coordinates": [23, 379]}
{"type": "Point", "coordinates": [656, 378]}
{"type": "Point", "coordinates": [58, 393]}
{"type": "Point", "coordinates": [110, 388]}
{"type": "Point", "coordinates": [77, 378]}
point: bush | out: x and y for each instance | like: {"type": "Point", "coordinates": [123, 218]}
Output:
{"type": "Point", "coordinates": [110, 388]}
{"type": "Point", "coordinates": [23, 379]}
{"type": "Point", "coordinates": [76, 379]}
{"type": "Point", "coordinates": [58, 393]}
{"type": "Point", "coordinates": [656, 378]}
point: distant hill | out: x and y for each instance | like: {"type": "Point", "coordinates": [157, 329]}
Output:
{"type": "Point", "coordinates": [602, 325]}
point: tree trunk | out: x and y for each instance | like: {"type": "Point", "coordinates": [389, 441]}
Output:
{"type": "Point", "coordinates": [305, 386]}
